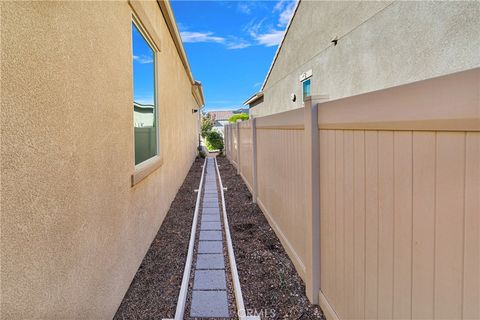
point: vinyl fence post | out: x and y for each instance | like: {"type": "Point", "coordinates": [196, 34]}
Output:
{"type": "Point", "coordinates": [225, 138]}
{"type": "Point", "coordinates": [230, 142]}
{"type": "Point", "coordinates": [238, 146]}
{"type": "Point", "coordinates": [254, 159]}
{"type": "Point", "coordinates": [312, 201]}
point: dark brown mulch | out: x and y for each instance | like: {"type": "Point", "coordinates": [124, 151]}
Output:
{"type": "Point", "coordinates": [154, 290]}
{"type": "Point", "coordinates": [271, 286]}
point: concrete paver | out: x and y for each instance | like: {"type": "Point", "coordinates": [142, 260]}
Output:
{"type": "Point", "coordinates": [209, 304]}
{"type": "Point", "coordinates": [210, 185]}
{"type": "Point", "coordinates": [210, 225]}
{"type": "Point", "coordinates": [210, 261]}
{"type": "Point", "coordinates": [207, 211]}
{"type": "Point", "coordinates": [211, 191]}
{"type": "Point", "coordinates": [210, 235]}
{"type": "Point", "coordinates": [210, 204]}
{"type": "Point", "coordinates": [211, 218]}
{"type": "Point", "coordinates": [210, 247]}
{"type": "Point", "coordinates": [210, 196]}
{"type": "Point", "coordinates": [210, 280]}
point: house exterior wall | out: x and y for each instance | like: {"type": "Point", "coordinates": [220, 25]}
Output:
{"type": "Point", "coordinates": [381, 45]}
{"type": "Point", "coordinates": [73, 229]}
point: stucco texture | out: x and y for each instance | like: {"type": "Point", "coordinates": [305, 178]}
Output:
{"type": "Point", "coordinates": [381, 45]}
{"type": "Point", "coordinates": [73, 230]}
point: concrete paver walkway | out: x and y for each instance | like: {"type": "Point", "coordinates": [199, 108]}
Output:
{"type": "Point", "coordinates": [209, 296]}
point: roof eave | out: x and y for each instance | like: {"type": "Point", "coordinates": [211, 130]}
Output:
{"type": "Point", "coordinates": [197, 91]}
{"type": "Point", "coordinates": [253, 98]}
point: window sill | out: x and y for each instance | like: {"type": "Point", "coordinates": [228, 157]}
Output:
{"type": "Point", "coordinates": [145, 168]}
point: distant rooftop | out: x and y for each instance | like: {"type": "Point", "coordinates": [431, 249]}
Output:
{"type": "Point", "coordinates": [221, 115]}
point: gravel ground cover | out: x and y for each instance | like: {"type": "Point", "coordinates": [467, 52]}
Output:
{"type": "Point", "coordinates": [154, 290]}
{"type": "Point", "coordinates": [270, 284]}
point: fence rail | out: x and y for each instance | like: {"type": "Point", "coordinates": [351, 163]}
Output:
{"type": "Point", "coordinates": [375, 197]}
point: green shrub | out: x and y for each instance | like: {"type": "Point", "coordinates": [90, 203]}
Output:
{"type": "Point", "coordinates": [206, 125]}
{"type": "Point", "coordinates": [238, 116]}
{"type": "Point", "coordinates": [214, 141]}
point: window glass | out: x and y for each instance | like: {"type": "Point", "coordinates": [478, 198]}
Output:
{"type": "Point", "coordinates": [144, 107]}
{"type": "Point", "coordinates": [306, 89]}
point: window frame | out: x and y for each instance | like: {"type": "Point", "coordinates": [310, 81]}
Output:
{"type": "Point", "coordinates": [146, 167]}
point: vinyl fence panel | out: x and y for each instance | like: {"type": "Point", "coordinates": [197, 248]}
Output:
{"type": "Point", "coordinates": [399, 222]}
{"type": "Point", "coordinates": [398, 229]}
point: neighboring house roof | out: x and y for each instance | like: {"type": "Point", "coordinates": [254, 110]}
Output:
{"type": "Point", "coordinates": [167, 12]}
{"type": "Point", "coordinates": [242, 110]}
{"type": "Point", "coordinates": [220, 123]}
{"type": "Point", "coordinates": [279, 47]}
{"type": "Point", "coordinates": [221, 114]}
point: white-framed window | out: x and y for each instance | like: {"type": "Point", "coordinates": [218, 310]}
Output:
{"type": "Point", "coordinates": [145, 111]}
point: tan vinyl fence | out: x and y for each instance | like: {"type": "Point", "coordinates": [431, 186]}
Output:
{"type": "Point", "coordinates": [376, 197]}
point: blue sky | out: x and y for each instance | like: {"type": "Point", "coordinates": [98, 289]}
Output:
{"type": "Point", "coordinates": [231, 44]}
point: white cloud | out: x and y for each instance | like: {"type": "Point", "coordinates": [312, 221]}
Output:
{"type": "Point", "coordinates": [143, 59]}
{"type": "Point", "coordinates": [264, 34]}
{"type": "Point", "coordinates": [267, 34]}
{"type": "Point", "coordinates": [279, 5]}
{"type": "Point", "coordinates": [257, 84]}
{"type": "Point", "coordinates": [286, 13]}
{"type": "Point", "coordinates": [230, 42]}
{"type": "Point", "coordinates": [253, 26]}
{"type": "Point", "coordinates": [237, 43]}
{"type": "Point", "coordinates": [233, 46]}
{"type": "Point", "coordinates": [270, 39]}
{"type": "Point", "coordinates": [249, 6]}
{"type": "Point", "coordinates": [244, 7]}
{"type": "Point", "coordinates": [192, 37]}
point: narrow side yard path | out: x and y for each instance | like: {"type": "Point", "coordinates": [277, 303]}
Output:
{"type": "Point", "coordinates": [271, 286]}
{"type": "Point", "coordinates": [209, 296]}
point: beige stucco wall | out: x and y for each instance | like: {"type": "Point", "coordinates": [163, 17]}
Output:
{"type": "Point", "coordinates": [73, 230]}
{"type": "Point", "coordinates": [381, 45]}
